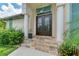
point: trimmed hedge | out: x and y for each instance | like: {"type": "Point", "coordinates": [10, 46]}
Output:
{"type": "Point", "coordinates": [11, 37]}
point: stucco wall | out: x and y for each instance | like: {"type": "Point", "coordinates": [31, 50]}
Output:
{"type": "Point", "coordinates": [18, 24]}
{"type": "Point", "coordinates": [63, 14]}
{"type": "Point", "coordinates": [66, 17]}
{"type": "Point", "coordinates": [32, 17]}
{"type": "Point", "coordinates": [7, 24]}
{"type": "Point", "coordinates": [62, 20]}
{"type": "Point", "coordinates": [60, 23]}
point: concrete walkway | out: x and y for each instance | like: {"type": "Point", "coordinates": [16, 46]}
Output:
{"type": "Point", "coordinates": [24, 51]}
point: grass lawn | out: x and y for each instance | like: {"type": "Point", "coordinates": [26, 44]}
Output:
{"type": "Point", "coordinates": [6, 49]}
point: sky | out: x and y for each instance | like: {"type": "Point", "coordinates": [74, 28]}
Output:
{"type": "Point", "coordinates": [9, 9]}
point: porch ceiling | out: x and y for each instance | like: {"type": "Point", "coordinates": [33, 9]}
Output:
{"type": "Point", "coordinates": [37, 5]}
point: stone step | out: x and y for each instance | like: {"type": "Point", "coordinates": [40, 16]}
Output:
{"type": "Point", "coordinates": [43, 43]}
{"type": "Point", "coordinates": [27, 41]}
{"type": "Point", "coordinates": [43, 37]}
{"type": "Point", "coordinates": [45, 40]}
{"type": "Point", "coordinates": [47, 45]}
{"type": "Point", "coordinates": [46, 49]}
{"type": "Point", "coordinates": [25, 45]}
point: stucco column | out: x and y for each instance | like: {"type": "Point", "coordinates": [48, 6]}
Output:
{"type": "Point", "coordinates": [25, 12]}
{"type": "Point", "coordinates": [26, 26]}
{"type": "Point", "coordinates": [60, 23]}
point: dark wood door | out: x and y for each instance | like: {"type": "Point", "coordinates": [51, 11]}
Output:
{"type": "Point", "coordinates": [44, 25]}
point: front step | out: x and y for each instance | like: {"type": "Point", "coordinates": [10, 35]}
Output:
{"type": "Point", "coordinates": [26, 43]}
{"type": "Point", "coordinates": [43, 43]}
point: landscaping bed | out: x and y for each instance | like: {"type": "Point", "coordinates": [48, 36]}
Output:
{"type": "Point", "coordinates": [70, 45]}
{"type": "Point", "coordinates": [10, 40]}
{"type": "Point", "coordinates": [7, 49]}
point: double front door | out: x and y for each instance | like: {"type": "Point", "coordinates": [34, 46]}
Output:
{"type": "Point", "coordinates": [44, 25]}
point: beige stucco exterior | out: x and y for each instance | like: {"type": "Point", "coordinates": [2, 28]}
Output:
{"type": "Point", "coordinates": [7, 24]}
{"type": "Point", "coordinates": [60, 24]}
{"type": "Point", "coordinates": [32, 17]}
{"type": "Point", "coordinates": [31, 12]}
{"type": "Point", "coordinates": [18, 24]}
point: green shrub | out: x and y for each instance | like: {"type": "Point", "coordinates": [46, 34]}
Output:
{"type": "Point", "coordinates": [11, 37]}
{"type": "Point", "coordinates": [68, 47]}
{"type": "Point", "coordinates": [70, 44]}
{"type": "Point", "coordinates": [4, 37]}
{"type": "Point", "coordinates": [16, 37]}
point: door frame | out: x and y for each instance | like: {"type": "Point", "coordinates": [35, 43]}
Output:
{"type": "Point", "coordinates": [51, 23]}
